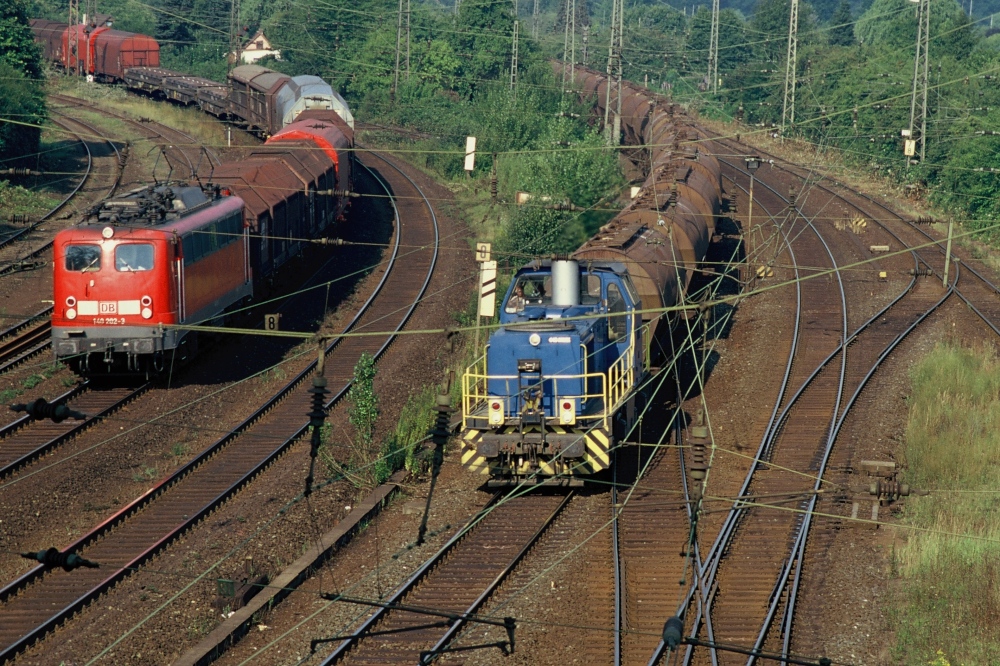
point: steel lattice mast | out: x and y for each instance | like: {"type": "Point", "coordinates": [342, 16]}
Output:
{"type": "Point", "coordinates": [713, 49]}
{"type": "Point", "coordinates": [613, 95]}
{"type": "Point", "coordinates": [921, 71]}
{"type": "Point", "coordinates": [791, 60]}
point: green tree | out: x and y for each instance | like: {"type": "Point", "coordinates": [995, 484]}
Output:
{"type": "Point", "coordinates": [22, 97]}
{"type": "Point", "coordinates": [842, 25]}
{"type": "Point", "coordinates": [17, 42]}
{"type": "Point", "coordinates": [483, 34]}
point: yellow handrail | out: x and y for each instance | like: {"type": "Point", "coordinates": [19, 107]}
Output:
{"type": "Point", "coordinates": [615, 385]}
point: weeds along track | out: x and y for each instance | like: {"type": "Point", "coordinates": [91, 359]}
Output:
{"type": "Point", "coordinates": [41, 599]}
{"type": "Point", "coordinates": [181, 150]}
{"type": "Point", "coordinates": [744, 582]}
{"type": "Point", "coordinates": [457, 580]}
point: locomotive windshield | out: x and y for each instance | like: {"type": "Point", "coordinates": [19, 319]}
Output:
{"type": "Point", "coordinates": [134, 257]}
{"type": "Point", "coordinates": [536, 290]}
{"type": "Point", "coordinates": [83, 258]}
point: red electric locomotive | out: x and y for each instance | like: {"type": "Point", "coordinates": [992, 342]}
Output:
{"type": "Point", "coordinates": [158, 255]}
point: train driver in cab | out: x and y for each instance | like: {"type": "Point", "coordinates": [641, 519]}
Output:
{"type": "Point", "coordinates": [527, 291]}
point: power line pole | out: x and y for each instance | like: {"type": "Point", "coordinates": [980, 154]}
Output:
{"type": "Point", "coordinates": [235, 36]}
{"type": "Point", "coordinates": [72, 41]}
{"type": "Point", "coordinates": [921, 67]}
{"type": "Point", "coordinates": [572, 44]}
{"type": "Point", "coordinates": [615, 74]}
{"type": "Point", "coordinates": [399, 39]}
{"type": "Point", "coordinates": [788, 106]}
{"type": "Point", "coordinates": [534, 21]}
{"type": "Point", "coordinates": [407, 40]}
{"type": "Point", "coordinates": [513, 62]}
{"type": "Point", "coordinates": [565, 55]}
{"type": "Point", "coordinates": [713, 49]}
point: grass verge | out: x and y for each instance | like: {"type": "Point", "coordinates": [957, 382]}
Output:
{"type": "Point", "coordinates": [947, 605]}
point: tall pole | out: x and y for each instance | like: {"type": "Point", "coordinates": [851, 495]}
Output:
{"type": "Point", "coordinates": [565, 56]}
{"type": "Point", "coordinates": [235, 35]}
{"type": "Point", "coordinates": [72, 37]}
{"type": "Point", "coordinates": [921, 66]}
{"type": "Point", "coordinates": [407, 40]}
{"type": "Point", "coordinates": [572, 44]}
{"type": "Point", "coordinates": [513, 62]}
{"type": "Point", "coordinates": [713, 49]}
{"type": "Point", "coordinates": [788, 106]}
{"type": "Point", "coordinates": [613, 100]}
{"type": "Point", "coordinates": [399, 38]}
{"type": "Point", "coordinates": [534, 21]}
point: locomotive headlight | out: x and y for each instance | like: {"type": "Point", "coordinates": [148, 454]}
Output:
{"type": "Point", "coordinates": [567, 411]}
{"type": "Point", "coordinates": [146, 313]}
{"type": "Point", "coordinates": [71, 314]}
{"type": "Point", "coordinates": [496, 411]}
{"type": "Point", "coordinates": [535, 339]}
{"type": "Point", "coordinates": [71, 301]}
{"type": "Point", "coordinates": [146, 301]}
{"type": "Point", "coordinates": [107, 232]}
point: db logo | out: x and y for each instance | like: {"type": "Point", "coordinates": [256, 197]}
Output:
{"type": "Point", "coordinates": [109, 307]}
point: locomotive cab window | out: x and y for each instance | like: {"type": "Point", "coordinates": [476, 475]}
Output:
{"type": "Point", "coordinates": [83, 258]}
{"type": "Point", "coordinates": [590, 289]}
{"type": "Point", "coordinates": [616, 307]}
{"type": "Point", "coordinates": [134, 257]}
{"type": "Point", "coordinates": [530, 290]}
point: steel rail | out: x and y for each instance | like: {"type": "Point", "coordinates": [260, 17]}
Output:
{"type": "Point", "coordinates": [151, 126]}
{"type": "Point", "coordinates": [102, 532]}
{"type": "Point", "coordinates": [90, 160]}
{"type": "Point", "coordinates": [661, 646]}
{"type": "Point", "coordinates": [798, 550]}
{"type": "Point", "coordinates": [734, 518]}
{"type": "Point", "coordinates": [467, 532]}
{"type": "Point", "coordinates": [410, 583]}
{"type": "Point", "coordinates": [13, 267]}
{"type": "Point", "coordinates": [18, 455]}
{"type": "Point", "coordinates": [474, 607]}
{"type": "Point", "coordinates": [23, 343]}
{"type": "Point", "coordinates": [802, 531]}
{"type": "Point", "coordinates": [616, 569]}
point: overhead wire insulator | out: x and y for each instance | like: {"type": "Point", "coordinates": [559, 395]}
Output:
{"type": "Point", "coordinates": [338, 193]}
{"type": "Point", "coordinates": [53, 557]}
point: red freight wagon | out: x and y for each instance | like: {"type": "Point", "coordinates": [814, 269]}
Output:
{"type": "Point", "coordinates": [106, 53]}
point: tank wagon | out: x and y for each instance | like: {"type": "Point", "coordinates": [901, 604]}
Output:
{"type": "Point", "coordinates": [261, 100]}
{"type": "Point", "coordinates": [555, 388]}
{"type": "Point", "coordinates": [183, 254]}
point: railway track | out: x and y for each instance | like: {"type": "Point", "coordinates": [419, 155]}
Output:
{"type": "Point", "coordinates": [187, 150]}
{"type": "Point", "coordinates": [744, 563]}
{"type": "Point", "coordinates": [39, 599]}
{"type": "Point", "coordinates": [24, 339]}
{"type": "Point", "coordinates": [28, 259]}
{"type": "Point", "coordinates": [456, 581]}
{"type": "Point", "coordinates": [10, 238]}
{"type": "Point", "coordinates": [978, 292]}
{"type": "Point", "coordinates": [25, 440]}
